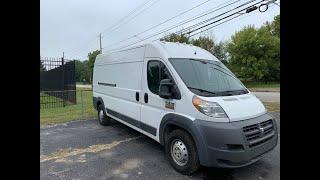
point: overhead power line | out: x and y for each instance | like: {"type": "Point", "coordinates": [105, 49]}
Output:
{"type": "Point", "coordinates": [221, 18]}
{"type": "Point", "coordinates": [167, 20]}
{"type": "Point", "coordinates": [158, 33]}
{"type": "Point", "coordinates": [128, 20]}
{"type": "Point", "coordinates": [122, 19]}
{"type": "Point", "coordinates": [216, 25]}
{"type": "Point", "coordinates": [216, 8]}
{"type": "Point", "coordinates": [175, 16]}
{"type": "Point", "coordinates": [210, 19]}
{"type": "Point", "coordinates": [194, 28]}
{"type": "Point", "coordinates": [180, 23]}
{"type": "Point", "coordinates": [118, 23]}
{"type": "Point", "coordinates": [248, 15]}
{"type": "Point", "coordinates": [270, 5]}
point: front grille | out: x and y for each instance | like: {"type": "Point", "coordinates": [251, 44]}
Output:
{"type": "Point", "coordinates": [260, 133]}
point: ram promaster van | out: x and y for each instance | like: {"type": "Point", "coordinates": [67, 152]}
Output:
{"type": "Point", "coordinates": [186, 99]}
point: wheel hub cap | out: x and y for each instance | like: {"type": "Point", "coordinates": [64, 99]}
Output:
{"type": "Point", "coordinates": [179, 152]}
{"type": "Point", "coordinates": [101, 115]}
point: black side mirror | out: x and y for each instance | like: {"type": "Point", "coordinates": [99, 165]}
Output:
{"type": "Point", "coordinates": [165, 88]}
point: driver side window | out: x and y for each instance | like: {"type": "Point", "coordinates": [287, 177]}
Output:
{"type": "Point", "coordinates": [156, 72]}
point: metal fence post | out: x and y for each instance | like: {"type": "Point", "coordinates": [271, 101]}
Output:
{"type": "Point", "coordinates": [63, 93]}
{"type": "Point", "coordinates": [81, 103]}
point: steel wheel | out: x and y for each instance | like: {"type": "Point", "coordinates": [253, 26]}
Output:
{"type": "Point", "coordinates": [101, 115]}
{"type": "Point", "coordinates": [179, 152]}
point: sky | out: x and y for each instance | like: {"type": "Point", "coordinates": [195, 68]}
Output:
{"type": "Point", "coordinates": [73, 26]}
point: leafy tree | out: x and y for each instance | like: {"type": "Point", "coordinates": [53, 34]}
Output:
{"type": "Point", "coordinates": [176, 38]}
{"type": "Point", "coordinates": [85, 76]}
{"type": "Point", "coordinates": [219, 51]}
{"type": "Point", "coordinates": [205, 42]}
{"type": "Point", "coordinates": [78, 70]}
{"type": "Point", "coordinates": [274, 26]}
{"type": "Point", "coordinates": [82, 73]}
{"type": "Point", "coordinates": [255, 54]}
{"type": "Point", "coordinates": [92, 57]}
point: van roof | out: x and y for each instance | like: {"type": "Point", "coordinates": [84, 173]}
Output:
{"type": "Point", "coordinates": [155, 49]}
{"type": "Point", "coordinates": [182, 50]}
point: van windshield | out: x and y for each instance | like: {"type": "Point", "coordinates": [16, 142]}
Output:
{"type": "Point", "coordinates": [208, 78]}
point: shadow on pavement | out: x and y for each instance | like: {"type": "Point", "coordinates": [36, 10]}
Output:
{"type": "Point", "coordinates": [207, 173]}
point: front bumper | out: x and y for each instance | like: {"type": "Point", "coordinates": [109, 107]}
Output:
{"type": "Point", "coordinates": [226, 145]}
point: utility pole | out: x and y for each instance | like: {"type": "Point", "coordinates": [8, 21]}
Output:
{"type": "Point", "coordinates": [100, 43]}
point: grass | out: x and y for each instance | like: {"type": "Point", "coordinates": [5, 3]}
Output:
{"type": "Point", "coordinates": [49, 116]}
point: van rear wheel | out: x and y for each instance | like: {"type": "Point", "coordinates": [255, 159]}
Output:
{"type": "Point", "coordinates": [181, 152]}
{"type": "Point", "coordinates": [104, 120]}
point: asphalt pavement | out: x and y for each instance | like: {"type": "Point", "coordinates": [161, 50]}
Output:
{"type": "Point", "coordinates": [86, 150]}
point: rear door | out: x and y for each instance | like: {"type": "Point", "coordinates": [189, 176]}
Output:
{"type": "Point", "coordinates": [153, 106]}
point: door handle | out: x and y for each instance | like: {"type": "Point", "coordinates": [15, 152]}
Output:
{"type": "Point", "coordinates": [145, 97]}
{"type": "Point", "coordinates": [137, 96]}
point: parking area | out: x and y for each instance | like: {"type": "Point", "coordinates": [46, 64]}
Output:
{"type": "Point", "coordinates": [86, 150]}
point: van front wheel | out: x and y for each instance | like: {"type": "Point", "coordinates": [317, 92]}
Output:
{"type": "Point", "coordinates": [104, 120]}
{"type": "Point", "coordinates": [181, 152]}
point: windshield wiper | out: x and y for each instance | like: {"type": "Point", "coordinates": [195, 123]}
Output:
{"type": "Point", "coordinates": [234, 92]}
{"type": "Point", "coordinates": [201, 90]}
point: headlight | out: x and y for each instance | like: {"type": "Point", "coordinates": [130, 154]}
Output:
{"type": "Point", "coordinates": [211, 109]}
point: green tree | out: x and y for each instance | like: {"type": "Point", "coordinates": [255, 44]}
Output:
{"type": "Point", "coordinates": [274, 26]}
{"type": "Point", "coordinates": [82, 73]}
{"type": "Point", "coordinates": [255, 54]}
{"type": "Point", "coordinates": [85, 76]}
{"type": "Point", "coordinates": [208, 43]}
{"type": "Point", "coordinates": [176, 38]}
{"type": "Point", "coordinates": [92, 57]}
{"type": "Point", "coordinates": [219, 51]}
{"type": "Point", "coordinates": [205, 42]}
{"type": "Point", "coordinates": [78, 70]}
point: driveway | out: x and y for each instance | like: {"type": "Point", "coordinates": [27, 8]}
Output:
{"type": "Point", "coordinates": [86, 150]}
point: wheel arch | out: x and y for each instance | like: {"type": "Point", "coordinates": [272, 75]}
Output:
{"type": "Point", "coordinates": [189, 126]}
{"type": "Point", "coordinates": [97, 101]}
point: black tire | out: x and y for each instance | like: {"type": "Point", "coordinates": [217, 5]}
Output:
{"type": "Point", "coordinates": [192, 163]}
{"type": "Point", "coordinates": [103, 120]}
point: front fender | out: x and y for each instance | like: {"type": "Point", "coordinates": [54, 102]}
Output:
{"type": "Point", "coordinates": [188, 125]}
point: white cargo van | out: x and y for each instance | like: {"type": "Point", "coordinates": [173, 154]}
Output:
{"type": "Point", "coordinates": [186, 99]}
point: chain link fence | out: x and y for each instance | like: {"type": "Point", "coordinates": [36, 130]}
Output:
{"type": "Point", "coordinates": [53, 110]}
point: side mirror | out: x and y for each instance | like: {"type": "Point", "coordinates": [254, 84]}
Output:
{"type": "Point", "coordinates": [165, 88]}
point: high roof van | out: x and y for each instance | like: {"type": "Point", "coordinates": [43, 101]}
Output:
{"type": "Point", "coordinates": [187, 100]}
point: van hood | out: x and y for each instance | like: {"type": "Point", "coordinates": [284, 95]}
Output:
{"type": "Point", "coordinates": [239, 107]}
